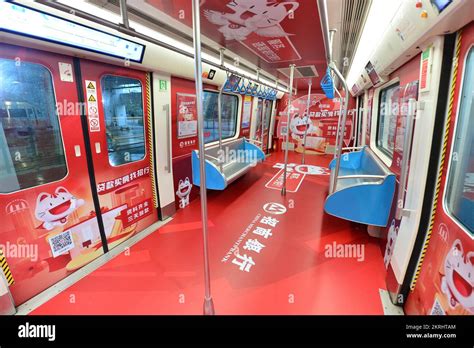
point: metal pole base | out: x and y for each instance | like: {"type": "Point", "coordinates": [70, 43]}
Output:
{"type": "Point", "coordinates": [208, 306]}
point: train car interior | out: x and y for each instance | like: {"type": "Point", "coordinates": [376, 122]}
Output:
{"type": "Point", "coordinates": [237, 157]}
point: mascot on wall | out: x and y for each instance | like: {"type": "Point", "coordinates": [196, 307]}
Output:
{"type": "Point", "coordinates": [458, 281]}
{"type": "Point", "coordinates": [184, 189]}
{"type": "Point", "coordinates": [54, 209]}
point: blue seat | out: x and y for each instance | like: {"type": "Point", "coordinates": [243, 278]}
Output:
{"type": "Point", "coordinates": [364, 189]}
{"type": "Point", "coordinates": [237, 158]}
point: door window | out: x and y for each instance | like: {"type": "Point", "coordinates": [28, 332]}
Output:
{"type": "Point", "coordinates": [230, 104]}
{"type": "Point", "coordinates": [31, 147]}
{"type": "Point", "coordinates": [122, 100]}
{"type": "Point", "coordinates": [387, 119]}
{"type": "Point", "coordinates": [460, 188]}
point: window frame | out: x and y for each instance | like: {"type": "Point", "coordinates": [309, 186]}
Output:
{"type": "Point", "coordinates": [446, 209]}
{"type": "Point", "coordinates": [386, 158]}
{"type": "Point", "coordinates": [66, 160]}
{"type": "Point", "coordinates": [145, 116]}
{"type": "Point", "coordinates": [238, 119]}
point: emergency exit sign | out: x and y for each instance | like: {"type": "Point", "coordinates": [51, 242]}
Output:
{"type": "Point", "coordinates": [163, 85]}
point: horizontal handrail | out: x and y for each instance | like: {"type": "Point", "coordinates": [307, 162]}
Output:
{"type": "Point", "coordinates": [253, 141]}
{"type": "Point", "coordinates": [224, 142]}
{"type": "Point", "coordinates": [362, 176]}
{"type": "Point", "coordinates": [353, 148]}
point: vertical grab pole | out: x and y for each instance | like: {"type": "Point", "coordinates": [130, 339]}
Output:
{"type": "Point", "coordinates": [208, 303]}
{"type": "Point", "coordinates": [292, 71]}
{"type": "Point", "coordinates": [309, 120]}
{"type": "Point", "coordinates": [219, 110]}
{"type": "Point", "coordinates": [338, 120]}
{"type": "Point", "coordinates": [219, 123]}
{"type": "Point", "coordinates": [262, 121]}
{"type": "Point", "coordinates": [343, 126]}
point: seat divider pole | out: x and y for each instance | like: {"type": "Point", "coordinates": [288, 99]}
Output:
{"type": "Point", "coordinates": [219, 122]}
{"type": "Point", "coordinates": [309, 120]}
{"type": "Point", "coordinates": [262, 123]}
{"type": "Point", "coordinates": [338, 120]}
{"type": "Point", "coordinates": [343, 127]}
{"type": "Point", "coordinates": [290, 97]}
{"type": "Point", "coordinates": [208, 307]}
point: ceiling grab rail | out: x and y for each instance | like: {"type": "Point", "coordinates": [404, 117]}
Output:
{"type": "Point", "coordinates": [287, 135]}
{"type": "Point", "coordinates": [130, 31]}
{"type": "Point", "coordinates": [308, 120]}
{"type": "Point", "coordinates": [208, 306]}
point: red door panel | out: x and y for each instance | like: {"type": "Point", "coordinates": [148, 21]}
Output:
{"type": "Point", "coordinates": [445, 280]}
{"type": "Point", "coordinates": [117, 109]}
{"type": "Point", "coordinates": [48, 228]}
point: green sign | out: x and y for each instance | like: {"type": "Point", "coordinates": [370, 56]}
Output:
{"type": "Point", "coordinates": [163, 85]}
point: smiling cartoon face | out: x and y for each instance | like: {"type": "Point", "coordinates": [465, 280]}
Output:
{"type": "Point", "coordinates": [301, 125]}
{"type": "Point", "coordinates": [184, 188]}
{"type": "Point", "coordinates": [53, 209]}
{"type": "Point", "coordinates": [459, 276]}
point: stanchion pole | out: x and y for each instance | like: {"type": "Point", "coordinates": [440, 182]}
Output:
{"type": "Point", "coordinates": [290, 97]}
{"type": "Point", "coordinates": [309, 120]}
{"type": "Point", "coordinates": [208, 303]}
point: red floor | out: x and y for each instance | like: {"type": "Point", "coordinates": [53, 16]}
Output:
{"type": "Point", "coordinates": [292, 275]}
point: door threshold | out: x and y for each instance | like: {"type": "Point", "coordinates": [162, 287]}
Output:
{"type": "Point", "coordinates": [65, 283]}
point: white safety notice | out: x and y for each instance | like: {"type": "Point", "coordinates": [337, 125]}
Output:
{"type": "Point", "coordinates": [92, 106]}
{"type": "Point", "coordinates": [65, 72]}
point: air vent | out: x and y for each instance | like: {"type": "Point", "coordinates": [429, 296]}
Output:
{"type": "Point", "coordinates": [301, 72]}
{"type": "Point", "coordinates": [353, 16]}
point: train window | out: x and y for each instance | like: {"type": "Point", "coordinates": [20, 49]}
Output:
{"type": "Point", "coordinates": [230, 104]}
{"type": "Point", "coordinates": [31, 148]}
{"type": "Point", "coordinates": [387, 119]}
{"type": "Point", "coordinates": [122, 99]}
{"type": "Point", "coordinates": [460, 188]}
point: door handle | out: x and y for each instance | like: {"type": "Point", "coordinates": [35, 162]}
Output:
{"type": "Point", "coordinates": [97, 148]}
{"type": "Point", "coordinates": [77, 150]}
{"type": "Point", "coordinates": [166, 108]}
{"type": "Point", "coordinates": [401, 211]}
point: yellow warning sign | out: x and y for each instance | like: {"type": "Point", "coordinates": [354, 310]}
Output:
{"type": "Point", "coordinates": [91, 98]}
{"type": "Point", "coordinates": [90, 85]}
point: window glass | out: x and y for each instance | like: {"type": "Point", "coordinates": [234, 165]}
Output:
{"type": "Point", "coordinates": [387, 119]}
{"type": "Point", "coordinates": [31, 148]}
{"type": "Point", "coordinates": [460, 189]}
{"type": "Point", "coordinates": [123, 108]}
{"type": "Point", "coordinates": [230, 104]}
{"type": "Point", "coordinates": [268, 113]}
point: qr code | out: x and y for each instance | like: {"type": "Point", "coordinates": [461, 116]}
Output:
{"type": "Point", "coordinates": [437, 308]}
{"type": "Point", "coordinates": [61, 243]}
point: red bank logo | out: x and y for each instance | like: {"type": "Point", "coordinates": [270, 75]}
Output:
{"type": "Point", "coordinates": [274, 208]}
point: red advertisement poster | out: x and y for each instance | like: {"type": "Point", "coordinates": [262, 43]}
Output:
{"type": "Point", "coordinates": [319, 125]}
{"type": "Point", "coordinates": [187, 115]}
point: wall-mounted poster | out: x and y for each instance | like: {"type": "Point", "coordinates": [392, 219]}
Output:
{"type": "Point", "coordinates": [187, 115]}
{"type": "Point", "coordinates": [247, 112]}
{"type": "Point", "coordinates": [320, 125]}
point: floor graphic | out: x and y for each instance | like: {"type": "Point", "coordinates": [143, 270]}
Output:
{"type": "Point", "coordinates": [292, 273]}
